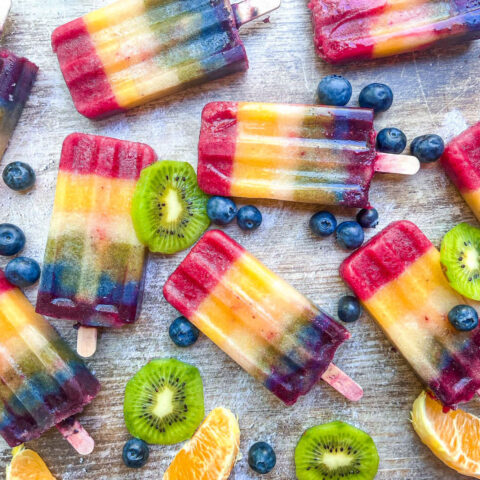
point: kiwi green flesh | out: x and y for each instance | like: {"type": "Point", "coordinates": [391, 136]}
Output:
{"type": "Point", "coordinates": [164, 402]}
{"type": "Point", "coordinates": [169, 210]}
{"type": "Point", "coordinates": [460, 258]}
{"type": "Point", "coordinates": [336, 451]}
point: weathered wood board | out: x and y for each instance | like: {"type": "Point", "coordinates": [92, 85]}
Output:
{"type": "Point", "coordinates": [435, 91]}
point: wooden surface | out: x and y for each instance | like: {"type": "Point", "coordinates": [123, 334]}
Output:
{"type": "Point", "coordinates": [435, 91]}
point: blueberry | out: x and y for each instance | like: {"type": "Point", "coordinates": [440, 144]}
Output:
{"type": "Point", "coordinates": [183, 333]}
{"type": "Point", "coordinates": [349, 309]}
{"type": "Point", "coordinates": [334, 90]}
{"type": "Point", "coordinates": [135, 453]}
{"type": "Point", "coordinates": [377, 96]}
{"type": "Point", "coordinates": [19, 176]}
{"type": "Point", "coordinates": [22, 271]}
{"type": "Point", "coordinates": [350, 235]}
{"type": "Point", "coordinates": [463, 317]}
{"type": "Point", "coordinates": [221, 210]}
{"type": "Point", "coordinates": [367, 217]}
{"type": "Point", "coordinates": [12, 239]}
{"type": "Point", "coordinates": [427, 148]}
{"type": "Point", "coordinates": [261, 457]}
{"type": "Point", "coordinates": [249, 217]}
{"type": "Point", "coordinates": [323, 224]}
{"type": "Point", "coordinates": [391, 140]}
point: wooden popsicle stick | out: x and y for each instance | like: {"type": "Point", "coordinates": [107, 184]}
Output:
{"type": "Point", "coordinates": [249, 10]}
{"type": "Point", "coordinates": [342, 383]}
{"type": "Point", "coordinates": [4, 9]}
{"type": "Point", "coordinates": [87, 341]}
{"type": "Point", "coordinates": [391, 163]}
{"type": "Point", "coordinates": [74, 433]}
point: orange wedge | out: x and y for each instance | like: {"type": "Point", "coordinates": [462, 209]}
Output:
{"type": "Point", "coordinates": [27, 465]}
{"type": "Point", "coordinates": [454, 437]}
{"type": "Point", "coordinates": [211, 453]}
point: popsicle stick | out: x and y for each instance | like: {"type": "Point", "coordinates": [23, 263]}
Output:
{"type": "Point", "coordinates": [342, 383]}
{"type": "Point", "coordinates": [391, 163]}
{"type": "Point", "coordinates": [249, 10]}
{"type": "Point", "coordinates": [74, 433]}
{"type": "Point", "coordinates": [4, 9]}
{"type": "Point", "coordinates": [87, 341]}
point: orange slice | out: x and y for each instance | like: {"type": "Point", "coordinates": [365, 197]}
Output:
{"type": "Point", "coordinates": [27, 465]}
{"type": "Point", "coordinates": [454, 437]}
{"type": "Point", "coordinates": [211, 453]}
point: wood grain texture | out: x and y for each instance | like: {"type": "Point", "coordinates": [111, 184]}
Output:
{"type": "Point", "coordinates": [435, 91]}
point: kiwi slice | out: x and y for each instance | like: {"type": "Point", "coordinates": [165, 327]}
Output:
{"type": "Point", "coordinates": [460, 257]}
{"type": "Point", "coordinates": [164, 402]}
{"type": "Point", "coordinates": [336, 451]}
{"type": "Point", "coordinates": [169, 210]}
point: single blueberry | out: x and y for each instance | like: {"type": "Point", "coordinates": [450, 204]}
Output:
{"type": "Point", "coordinates": [463, 317]}
{"type": "Point", "coordinates": [221, 210]}
{"type": "Point", "coordinates": [183, 333]}
{"type": "Point", "coordinates": [377, 96]}
{"type": "Point", "coordinates": [391, 140]}
{"type": "Point", "coordinates": [135, 453]}
{"type": "Point", "coordinates": [368, 217]}
{"type": "Point", "coordinates": [323, 223]}
{"type": "Point", "coordinates": [249, 218]}
{"type": "Point", "coordinates": [350, 235]}
{"type": "Point", "coordinates": [22, 271]}
{"type": "Point", "coordinates": [261, 457]}
{"type": "Point", "coordinates": [349, 309]}
{"type": "Point", "coordinates": [334, 90]}
{"type": "Point", "coordinates": [427, 148]}
{"type": "Point", "coordinates": [19, 176]}
{"type": "Point", "coordinates": [12, 239]}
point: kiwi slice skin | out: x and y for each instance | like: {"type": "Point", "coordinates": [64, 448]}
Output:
{"type": "Point", "coordinates": [336, 451]}
{"type": "Point", "coordinates": [169, 211]}
{"type": "Point", "coordinates": [460, 258]}
{"type": "Point", "coordinates": [164, 402]}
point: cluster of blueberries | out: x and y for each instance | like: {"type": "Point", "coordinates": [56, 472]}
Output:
{"type": "Point", "coordinates": [349, 235]}
{"type": "Point", "coordinates": [21, 271]}
{"type": "Point", "coordinates": [222, 211]}
{"type": "Point", "coordinates": [337, 91]}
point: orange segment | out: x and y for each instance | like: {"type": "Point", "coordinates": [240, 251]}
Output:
{"type": "Point", "coordinates": [27, 465]}
{"type": "Point", "coordinates": [454, 437]}
{"type": "Point", "coordinates": [212, 451]}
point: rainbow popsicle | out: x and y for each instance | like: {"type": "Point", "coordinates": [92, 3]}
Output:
{"type": "Point", "coordinates": [265, 325]}
{"type": "Point", "coordinates": [93, 266]}
{"type": "Point", "coordinates": [398, 277]}
{"type": "Point", "coordinates": [348, 30]}
{"type": "Point", "coordinates": [42, 381]}
{"type": "Point", "coordinates": [461, 161]}
{"type": "Point", "coordinates": [17, 76]}
{"type": "Point", "coordinates": [302, 153]}
{"type": "Point", "coordinates": [134, 51]}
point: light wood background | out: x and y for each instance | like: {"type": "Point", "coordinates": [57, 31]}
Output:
{"type": "Point", "coordinates": [435, 91]}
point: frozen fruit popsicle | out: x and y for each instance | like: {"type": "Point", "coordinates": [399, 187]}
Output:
{"type": "Point", "coordinates": [348, 30]}
{"type": "Point", "coordinates": [4, 9]}
{"type": "Point", "coordinates": [134, 51]}
{"type": "Point", "coordinates": [398, 277]}
{"type": "Point", "coordinates": [303, 153]}
{"type": "Point", "coordinates": [42, 381]}
{"type": "Point", "coordinates": [17, 76]}
{"type": "Point", "coordinates": [93, 266]}
{"type": "Point", "coordinates": [461, 161]}
{"type": "Point", "coordinates": [265, 325]}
